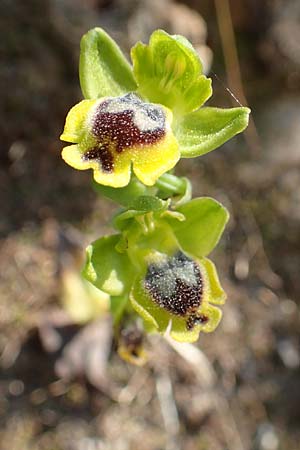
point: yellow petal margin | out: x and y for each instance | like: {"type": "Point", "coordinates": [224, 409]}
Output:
{"type": "Point", "coordinates": [120, 176]}
{"type": "Point", "coordinates": [76, 121]}
{"type": "Point", "coordinates": [217, 295]}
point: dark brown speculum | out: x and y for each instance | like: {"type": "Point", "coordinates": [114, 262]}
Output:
{"type": "Point", "coordinates": [102, 154]}
{"type": "Point", "coordinates": [177, 286]}
{"type": "Point", "coordinates": [121, 123]}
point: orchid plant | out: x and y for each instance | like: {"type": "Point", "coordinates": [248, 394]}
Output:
{"type": "Point", "coordinates": [133, 126]}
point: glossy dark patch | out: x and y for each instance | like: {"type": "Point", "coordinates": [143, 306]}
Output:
{"type": "Point", "coordinates": [101, 154]}
{"type": "Point", "coordinates": [127, 121]}
{"type": "Point", "coordinates": [176, 285]}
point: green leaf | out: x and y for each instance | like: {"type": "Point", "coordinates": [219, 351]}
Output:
{"type": "Point", "coordinates": [204, 130]}
{"type": "Point", "coordinates": [103, 69]}
{"type": "Point", "coordinates": [200, 232]}
{"type": "Point", "coordinates": [106, 268]}
{"type": "Point", "coordinates": [169, 71]}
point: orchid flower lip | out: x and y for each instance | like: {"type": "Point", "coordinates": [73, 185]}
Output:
{"type": "Point", "coordinates": [117, 135]}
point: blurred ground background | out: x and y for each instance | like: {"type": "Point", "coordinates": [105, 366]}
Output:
{"type": "Point", "coordinates": [56, 392]}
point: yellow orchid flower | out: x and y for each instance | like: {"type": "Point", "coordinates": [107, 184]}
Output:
{"type": "Point", "coordinates": [113, 134]}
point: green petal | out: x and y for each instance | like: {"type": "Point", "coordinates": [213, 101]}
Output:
{"type": "Point", "coordinates": [206, 129]}
{"type": "Point", "coordinates": [106, 268]}
{"type": "Point", "coordinates": [168, 71]}
{"type": "Point", "coordinates": [103, 69]}
{"type": "Point", "coordinates": [205, 220]}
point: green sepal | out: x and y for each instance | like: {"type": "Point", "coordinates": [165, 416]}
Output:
{"type": "Point", "coordinates": [106, 268]}
{"type": "Point", "coordinates": [205, 220]}
{"type": "Point", "coordinates": [103, 69]}
{"type": "Point", "coordinates": [169, 71]}
{"type": "Point", "coordinates": [202, 131]}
